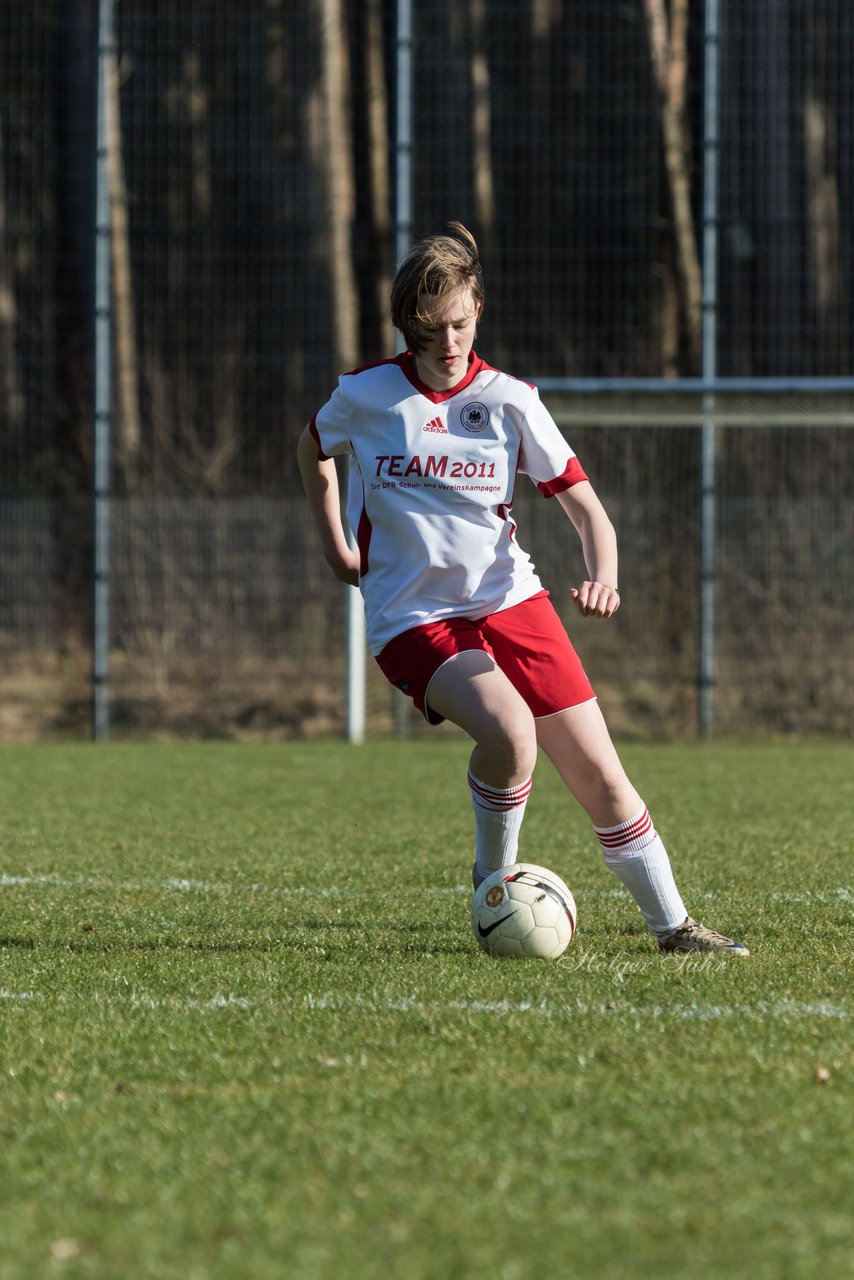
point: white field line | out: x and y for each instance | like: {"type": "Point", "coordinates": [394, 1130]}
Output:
{"type": "Point", "coordinates": [778, 1011]}
{"type": "Point", "coordinates": [180, 885]}
{"type": "Point", "coordinates": [842, 894]}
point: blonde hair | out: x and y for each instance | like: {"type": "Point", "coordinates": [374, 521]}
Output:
{"type": "Point", "coordinates": [435, 268]}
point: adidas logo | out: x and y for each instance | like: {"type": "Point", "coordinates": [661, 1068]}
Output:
{"type": "Point", "coordinates": [437, 425]}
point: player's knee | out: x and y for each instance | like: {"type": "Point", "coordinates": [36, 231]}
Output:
{"type": "Point", "coordinates": [612, 786]}
{"type": "Point", "coordinates": [512, 742]}
{"type": "Point", "coordinates": [610, 793]}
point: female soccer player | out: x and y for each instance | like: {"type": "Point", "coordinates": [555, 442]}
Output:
{"type": "Point", "coordinates": [456, 615]}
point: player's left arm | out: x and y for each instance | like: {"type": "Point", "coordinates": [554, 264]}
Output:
{"type": "Point", "coordinates": [597, 596]}
{"type": "Point", "coordinates": [320, 481]}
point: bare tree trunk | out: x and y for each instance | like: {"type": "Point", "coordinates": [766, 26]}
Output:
{"type": "Point", "coordinates": [668, 321]}
{"type": "Point", "coordinates": [380, 178]}
{"type": "Point", "coordinates": [11, 399]}
{"type": "Point", "coordinates": [779, 316]}
{"type": "Point", "coordinates": [668, 43]}
{"type": "Point", "coordinates": [484, 181]}
{"type": "Point", "coordinates": [332, 153]}
{"type": "Point", "coordinates": [197, 431]}
{"type": "Point", "coordinates": [737, 262]}
{"type": "Point", "coordinates": [825, 274]}
{"type": "Point", "coordinates": [127, 371]}
{"type": "Point", "coordinates": [196, 106]}
{"type": "Point", "coordinates": [823, 210]}
{"type": "Point", "coordinates": [545, 18]}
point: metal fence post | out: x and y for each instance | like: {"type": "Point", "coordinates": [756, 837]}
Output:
{"type": "Point", "coordinates": [356, 662]}
{"type": "Point", "coordinates": [102, 416]}
{"type": "Point", "coordinates": [403, 191]}
{"type": "Point", "coordinates": [708, 432]}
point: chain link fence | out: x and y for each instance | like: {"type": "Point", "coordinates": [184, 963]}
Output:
{"type": "Point", "coordinates": [253, 162]}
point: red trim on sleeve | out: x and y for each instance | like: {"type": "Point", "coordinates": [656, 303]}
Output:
{"type": "Point", "coordinates": [573, 474]}
{"type": "Point", "coordinates": [312, 426]}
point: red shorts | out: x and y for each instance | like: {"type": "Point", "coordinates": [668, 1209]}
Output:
{"type": "Point", "coordinates": [527, 641]}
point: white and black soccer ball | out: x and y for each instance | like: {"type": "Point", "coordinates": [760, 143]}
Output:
{"type": "Point", "coordinates": [523, 910]}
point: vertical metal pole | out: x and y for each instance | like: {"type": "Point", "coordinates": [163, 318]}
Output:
{"type": "Point", "coordinates": [356, 666]}
{"type": "Point", "coordinates": [403, 188]}
{"type": "Point", "coordinates": [356, 646]}
{"type": "Point", "coordinates": [708, 444]}
{"type": "Point", "coordinates": [102, 419]}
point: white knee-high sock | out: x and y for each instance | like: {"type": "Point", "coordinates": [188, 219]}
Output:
{"type": "Point", "coordinates": [498, 815]}
{"type": "Point", "coordinates": [636, 854]}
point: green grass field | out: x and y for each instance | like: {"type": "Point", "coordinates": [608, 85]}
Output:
{"type": "Point", "coordinates": [246, 1032]}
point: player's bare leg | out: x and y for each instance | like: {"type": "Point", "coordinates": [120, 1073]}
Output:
{"type": "Point", "coordinates": [473, 693]}
{"type": "Point", "coordinates": [579, 745]}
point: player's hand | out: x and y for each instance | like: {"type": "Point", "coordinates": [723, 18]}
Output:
{"type": "Point", "coordinates": [596, 600]}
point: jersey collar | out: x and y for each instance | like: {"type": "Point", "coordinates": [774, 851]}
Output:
{"type": "Point", "coordinates": [406, 360]}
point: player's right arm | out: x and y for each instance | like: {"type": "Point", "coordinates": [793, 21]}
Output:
{"type": "Point", "coordinates": [320, 481]}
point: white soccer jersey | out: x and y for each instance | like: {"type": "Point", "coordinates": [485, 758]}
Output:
{"type": "Point", "coordinates": [432, 475]}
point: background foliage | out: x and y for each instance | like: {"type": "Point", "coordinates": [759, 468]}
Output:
{"type": "Point", "coordinates": [252, 175]}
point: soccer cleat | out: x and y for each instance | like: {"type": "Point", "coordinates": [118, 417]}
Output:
{"type": "Point", "coordinates": [692, 936]}
{"type": "Point", "coordinates": [476, 878]}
